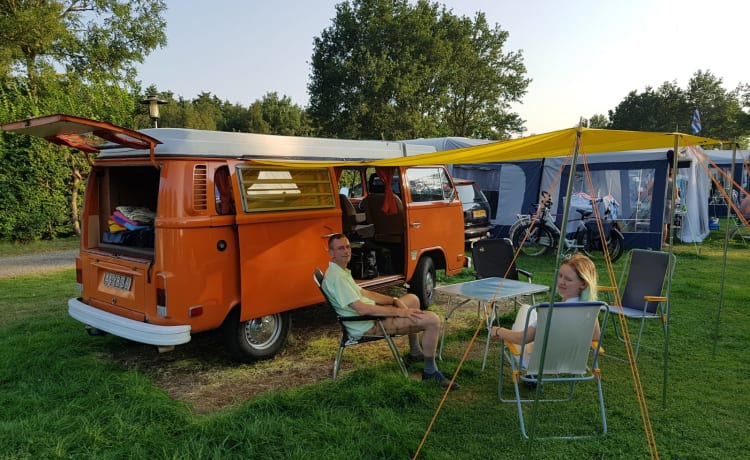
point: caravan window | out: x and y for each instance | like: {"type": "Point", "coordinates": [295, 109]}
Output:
{"type": "Point", "coordinates": [635, 212]}
{"type": "Point", "coordinates": [274, 189]}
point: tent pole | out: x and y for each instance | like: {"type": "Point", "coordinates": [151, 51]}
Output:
{"type": "Point", "coordinates": [726, 246]}
{"type": "Point", "coordinates": [673, 166]}
{"type": "Point", "coordinates": [553, 288]}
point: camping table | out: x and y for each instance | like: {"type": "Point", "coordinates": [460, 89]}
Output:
{"type": "Point", "coordinates": [484, 290]}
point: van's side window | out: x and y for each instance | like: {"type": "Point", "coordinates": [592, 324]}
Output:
{"type": "Point", "coordinates": [428, 184]}
{"type": "Point", "coordinates": [278, 188]}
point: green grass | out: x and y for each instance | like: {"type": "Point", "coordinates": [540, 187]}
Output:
{"type": "Point", "coordinates": [63, 396]}
{"type": "Point", "coordinates": [59, 244]}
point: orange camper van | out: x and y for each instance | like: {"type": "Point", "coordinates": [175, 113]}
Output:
{"type": "Point", "coordinates": [185, 230]}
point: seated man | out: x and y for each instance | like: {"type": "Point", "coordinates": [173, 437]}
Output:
{"type": "Point", "coordinates": [401, 314]}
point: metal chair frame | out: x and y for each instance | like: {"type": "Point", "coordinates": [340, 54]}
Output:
{"type": "Point", "coordinates": [348, 340]}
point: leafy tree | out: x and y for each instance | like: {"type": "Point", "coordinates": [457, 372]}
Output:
{"type": "Point", "coordinates": [235, 118]}
{"type": "Point", "coordinates": [598, 121]}
{"type": "Point", "coordinates": [720, 110]}
{"type": "Point", "coordinates": [274, 115]}
{"type": "Point", "coordinates": [387, 69]}
{"type": "Point", "coordinates": [93, 39]}
{"type": "Point", "coordinates": [662, 110]}
{"type": "Point", "coordinates": [670, 108]}
{"type": "Point", "coordinates": [74, 56]}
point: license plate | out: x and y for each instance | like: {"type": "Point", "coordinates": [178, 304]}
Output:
{"type": "Point", "coordinates": [479, 213]}
{"type": "Point", "coordinates": [118, 281]}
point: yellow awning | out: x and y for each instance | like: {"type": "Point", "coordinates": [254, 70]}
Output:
{"type": "Point", "coordinates": [552, 144]}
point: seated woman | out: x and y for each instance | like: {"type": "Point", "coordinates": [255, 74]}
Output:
{"type": "Point", "coordinates": [576, 282]}
{"type": "Point", "coordinates": [745, 207]}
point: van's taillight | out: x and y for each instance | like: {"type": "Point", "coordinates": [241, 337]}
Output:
{"type": "Point", "coordinates": [195, 311]}
{"type": "Point", "coordinates": [161, 296]}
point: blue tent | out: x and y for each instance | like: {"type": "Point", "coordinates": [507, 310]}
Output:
{"type": "Point", "coordinates": [636, 179]}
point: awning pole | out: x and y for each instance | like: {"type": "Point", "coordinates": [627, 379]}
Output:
{"type": "Point", "coordinates": [553, 288]}
{"type": "Point", "coordinates": [726, 246]}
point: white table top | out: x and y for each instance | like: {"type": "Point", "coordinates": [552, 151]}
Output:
{"type": "Point", "coordinates": [486, 289]}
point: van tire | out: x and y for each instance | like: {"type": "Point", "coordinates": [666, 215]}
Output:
{"type": "Point", "coordinates": [256, 339]}
{"type": "Point", "coordinates": [423, 282]}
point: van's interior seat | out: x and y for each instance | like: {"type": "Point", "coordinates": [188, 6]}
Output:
{"type": "Point", "coordinates": [353, 223]}
{"type": "Point", "coordinates": [389, 228]}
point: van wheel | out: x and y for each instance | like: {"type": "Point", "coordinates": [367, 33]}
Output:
{"type": "Point", "coordinates": [423, 282]}
{"type": "Point", "coordinates": [255, 339]}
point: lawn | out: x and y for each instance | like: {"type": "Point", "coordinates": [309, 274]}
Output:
{"type": "Point", "coordinates": [67, 395]}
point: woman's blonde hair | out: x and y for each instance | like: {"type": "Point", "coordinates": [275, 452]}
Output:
{"type": "Point", "coordinates": [586, 271]}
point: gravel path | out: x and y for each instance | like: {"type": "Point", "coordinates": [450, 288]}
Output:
{"type": "Point", "coordinates": [37, 263]}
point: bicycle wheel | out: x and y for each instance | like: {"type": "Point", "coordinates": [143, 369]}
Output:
{"type": "Point", "coordinates": [537, 243]}
{"type": "Point", "coordinates": [615, 244]}
{"type": "Point", "coordinates": [522, 220]}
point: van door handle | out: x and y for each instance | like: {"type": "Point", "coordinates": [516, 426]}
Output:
{"type": "Point", "coordinates": [416, 224]}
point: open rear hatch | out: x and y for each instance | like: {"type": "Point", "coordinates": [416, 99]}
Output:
{"type": "Point", "coordinates": [113, 280]}
{"type": "Point", "coordinates": [89, 136]}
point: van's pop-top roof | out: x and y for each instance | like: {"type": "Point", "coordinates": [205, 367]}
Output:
{"type": "Point", "coordinates": [112, 141]}
{"type": "Point", "coordinates": [176, 141]}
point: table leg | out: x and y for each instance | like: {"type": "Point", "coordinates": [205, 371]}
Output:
{"type": "Point", "coordinates": [489, 322]}
{"type": "Point", "coordinates": [448, 312]}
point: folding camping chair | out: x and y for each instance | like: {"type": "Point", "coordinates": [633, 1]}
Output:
{"type": "Point", "coordinates": [495, 258]}
{"type": "Point", "coordinates": [738, 229]}
{"type": "Point", "coordinates": [566, 359]}
{"type": "Point", "coordinates": [644, 276]}
{"type": "Point", "coordinates": [348, 340]}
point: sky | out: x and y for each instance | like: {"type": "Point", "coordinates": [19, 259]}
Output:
{"type": "Point", "coordinates": [583, 56]}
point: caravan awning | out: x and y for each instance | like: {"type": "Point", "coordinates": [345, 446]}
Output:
{"type": "Point", "coordinates": [553, 144]}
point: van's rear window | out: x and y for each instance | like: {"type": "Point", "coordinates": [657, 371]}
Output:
{"type": "Point", "coordinates": [275, 189]}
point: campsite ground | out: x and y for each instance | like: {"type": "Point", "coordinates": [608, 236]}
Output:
{"type": "Point", "coordinates": [200, 374]}
{"type": "Point", "coordinates": [67, 395]}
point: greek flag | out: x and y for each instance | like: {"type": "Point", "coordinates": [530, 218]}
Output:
{"type": "Point", "coordinates": [695, 125]}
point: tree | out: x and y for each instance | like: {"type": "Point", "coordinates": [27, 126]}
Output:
{"type": "Point", "coordinates": [598, 121]}
{"type": "Point", "coordinates": [670, 108]}
{"type": "Point", "coordinates": [661, 110]}
{"type": "Point", "coordinates": [274, 115]}
{"type": "Point", "coordinates": [387, 69]}
{"type": "Point", "coordinates": [720, 110]}
{"type": "Point", "coordinates": [74, 56]}
{"type": "Point", "coordinates": [94, 39]}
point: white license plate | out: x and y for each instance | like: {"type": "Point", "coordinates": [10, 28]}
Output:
{"type": "Point", "coordinates": [118, 281]}
{"type": "Point", "coordinates": [479, 213]}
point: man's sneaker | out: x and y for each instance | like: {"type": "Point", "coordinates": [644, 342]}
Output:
{"type": "Point", "coordinates": [443, 380]}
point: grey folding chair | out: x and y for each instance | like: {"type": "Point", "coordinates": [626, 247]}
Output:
{"type": "Point", "coordinates": [347, 340]}
{"type": "Point", "coordinates": [567, 350]}
{"type": "Point", "coordinates": [644, 277]}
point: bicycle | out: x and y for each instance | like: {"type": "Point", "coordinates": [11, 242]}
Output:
{"type": "Point", "coordinates": [544, 234]}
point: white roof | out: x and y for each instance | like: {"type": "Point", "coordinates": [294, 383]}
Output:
{"type": "Point", "coordinates": [200, 143]}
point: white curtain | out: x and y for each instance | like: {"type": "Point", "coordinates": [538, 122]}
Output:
{"type": "Point", "coordinates": [695, 187]}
